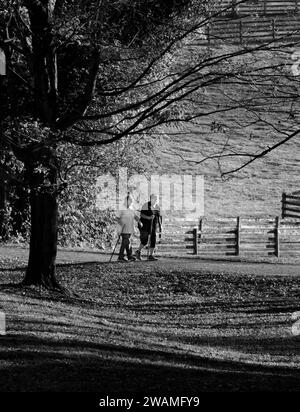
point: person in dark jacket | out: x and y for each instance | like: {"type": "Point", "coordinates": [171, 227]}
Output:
{"type": "Point", "coordinates": [151, 220]}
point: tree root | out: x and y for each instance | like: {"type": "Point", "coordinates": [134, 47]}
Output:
{"type": "Point", "coordinates": [52, 287]}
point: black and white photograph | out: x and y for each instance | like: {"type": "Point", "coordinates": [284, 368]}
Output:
{"type": "Point", "coordinates": [149, 200]}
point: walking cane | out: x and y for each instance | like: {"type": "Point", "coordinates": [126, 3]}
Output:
{"type": "Point", "coordinates": [160, 228]}
{"type": "Point", "coordinates": [119, 237]}
{"type": "Point", "coordinates": [149, 239]}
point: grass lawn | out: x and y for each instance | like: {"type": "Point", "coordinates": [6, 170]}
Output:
{"type": "Point", "coordinates": [182, 326]}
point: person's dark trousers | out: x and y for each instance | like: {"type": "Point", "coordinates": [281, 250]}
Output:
{"type": "Point", "coordinates": [144, 237]}
{"type": "Point", "coordinates": [125, 246]}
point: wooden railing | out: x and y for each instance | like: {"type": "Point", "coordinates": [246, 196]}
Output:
{"type": "Point", "coordinates": [291, 205]}
{"type": "Point", "coordinates": [177, 236]}
{"type": "Point", "coordinates": [260, 7]}
{"type": "Point", "coordinates": [241, 236]}
{"type": "Point", "coordinates": [230, 237]}
{"type": "Point", "coordinates": [252, 30]}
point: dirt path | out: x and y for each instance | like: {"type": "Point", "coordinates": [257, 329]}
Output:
{"type": "Point", "coordinates": [20, 255]}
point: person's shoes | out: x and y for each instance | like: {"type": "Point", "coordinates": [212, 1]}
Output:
{"type": "Point", "coordinates": [122, 259]}
{"type": "Point", "coordinates": [153, 258]}
{"type": "Point", "coordinates": [131, 259]}
{"type": "Point", "coordinates": [137, 255]}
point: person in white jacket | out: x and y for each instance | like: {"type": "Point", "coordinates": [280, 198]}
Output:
{"type": "Point", "coordinates": [126, 219]}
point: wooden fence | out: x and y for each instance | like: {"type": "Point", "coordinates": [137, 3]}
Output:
{"type": "Point", "coordinates": [261, 7]}
{"type": "Point", "coordinates": [177, 237]}
{"type": "Point", "coordinates": [247, 236]}
{"type": "Point", "coordinates": [240, 236]}
{"type": "Point", "coordinates": [252, 30]}
{"type": "Point", "coordinates": [291, 205]}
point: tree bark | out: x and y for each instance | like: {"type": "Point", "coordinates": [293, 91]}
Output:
{"type": "Point", "coordinates": [41, 174]}
{"type": "Point", "coordinates": [41, 268]}
{"type": "Point", "coordinates": [4, 232]}
{"type": "Point", "coordinates": [41, 163]}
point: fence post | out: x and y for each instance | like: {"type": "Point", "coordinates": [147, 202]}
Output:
{"type": "Point", "coordinates": [238, 235]}
{"type": "Point", "coordinates": [2, 63]}
{"type": "Point", "coordinates": [200, 228]}
{"type": "Point", "coordinates": [2, 324]}
{"type": "Point", "coordinates": [277, 236]}
{"type": "Point", "coordinates": [233, 7]}
{"type": "Point", "coordinates": [195, 240]}
{"type": "Point", "coordinates": [265, 7]}
{"type": "Point", "coordinates": [241, 32]}
{"type": "Point", "coordinates": [208, 34]}
{"type": "Point", "coordinates": [273, 29]}
{"type": "Point", "coordinates": [283, 205]}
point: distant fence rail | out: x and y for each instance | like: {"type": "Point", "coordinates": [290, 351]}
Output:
{"type": "Point", "coordinates": [177, 236]}
{"type": "Point", "coordinates": [291, 205]}
{"type": "Point", "coordinates": [247, 236]}
{"type": "Point", "coordinates": [232, 236]}
{"type": "Point", "coordinates": [265, 7]}
{"type": "Point", "coordinates": [251, 30]}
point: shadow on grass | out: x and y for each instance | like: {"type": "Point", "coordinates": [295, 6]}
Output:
{"type": "Point", "coordinates": [59, 265]}
{"type": "Point", "coordinates": [15, 269]}
{"type": "Point", "coordinates": [258, 307]}
{"type": "Point", "coordinates": [286, 346]}
{"type": "Point", "coordinates": [74, 264]}
{"type": "Point", "coordinates": [48, 365]}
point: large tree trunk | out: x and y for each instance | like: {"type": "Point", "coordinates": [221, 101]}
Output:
{"type": "Point", "coordinates": [44, 193]}
{"type": "Point", "coordinates": [44, 215]}
{"type": "Point", "coordinates": [4, 230]}
{"type": "Point", "coordinates": [43, 240]}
